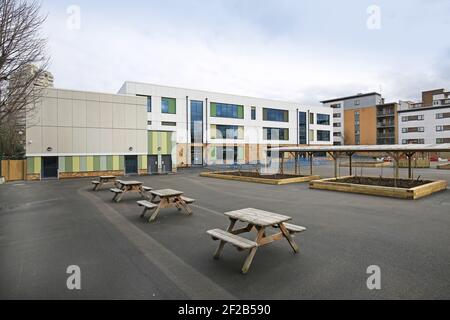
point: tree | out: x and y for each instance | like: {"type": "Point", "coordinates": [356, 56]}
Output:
{"type": "Point", "coordinates": [23, 60]}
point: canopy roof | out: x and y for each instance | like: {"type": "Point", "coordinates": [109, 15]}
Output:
{"type": "Point", "coordinates": [372, 148]}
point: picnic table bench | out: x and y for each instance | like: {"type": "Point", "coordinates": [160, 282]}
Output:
{"type": "Point", "coordinates": [102, 180]}
{"type": "Point", "coordinates": [166, 198]}
{"type": "Point", "coordinates": [259, 221]}
{"type": "Point", "coordinates": [125, 187]}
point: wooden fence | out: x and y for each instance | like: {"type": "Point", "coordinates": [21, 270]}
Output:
{"type": "Point", "coordinates": [14, 170]}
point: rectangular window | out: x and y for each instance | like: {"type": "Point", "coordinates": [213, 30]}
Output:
{"type": "Point", "coordinates": [443, 128]}
{"type": "Point", "coordinates": [303, 127]}
{"type": "Point", "coordinates": [276, 134]}
{"type": "Point", "coordinates": [337, 134]}
{"type": "Point", "coordinates": [169, 105]}
{"type": "Point", "coordinates": [323, 119]}
{"type": "Point", "coordinates": [149, 123]}
{"type": "Point", "coordinates": [253, 113]}
{"type": "Point", "coordinates": [442, 140]}
{"type": "Point", "coordinates": [311, 135]}
{"type": "Point", "coordinates": [311, 118]}
{"type": "Point", "coordinates": [443, 115]}
{"type": "Point", "coordinates": [149, 102]}
{"type": "Point", "coordinates": [223, 110]}
{"type": "Point", "coordinates": [196, 121]}
{"type": "Point", "coordinates": [413, 141]}
{"type": "Point", "coordinates": [413, 129]}
{"type": "Point", "coordinates": [337, 124]}
{"type": "Point", "coordinates": [357, 102]}
{"type": "Point", "coordinates": [169, 124]}
{"type": "Point", "coordinates": [275, 115]}
{"type": "Point", "coordinates": [336, 115]}
{"type": "Point", "coordinates": [323, 135]}
{"type": "Point", "coordinates": [227, 132]}
{"type": "Point", "coordinates": [336, 106]}
{"type": "Point", "coordinates": [413, 118]}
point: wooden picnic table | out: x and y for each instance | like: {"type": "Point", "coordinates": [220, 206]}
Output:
{"type": "Point", "coordinates": [102, 180]}
{"type": "Point", "coordinates": [259, 221]}
{"type": "Point", "coordinates": [125, 187]}
{"type": "Point", "coordinates": [169, 198]}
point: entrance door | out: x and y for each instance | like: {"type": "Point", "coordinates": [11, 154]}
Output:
{"type": "Point", "coordinates": [50, 168]}
{"type": "Point", "coordinates": [166, 163]}
{"type": "Point", "coordinates": [131, 165]}
{"type": "Point", "coordinates": [197, 156]}
{"type": "Point", "coordinates": [152, 164]}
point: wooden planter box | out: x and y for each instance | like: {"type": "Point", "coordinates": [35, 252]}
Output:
{"type": "Point", "coordinates": [409, 194]}
{"type": "Point", "coordinates": [445, 166]}
{"type": "Point", "coordinates": [220, 175]}
{"type": "Point", "coordinates": [373, 164]}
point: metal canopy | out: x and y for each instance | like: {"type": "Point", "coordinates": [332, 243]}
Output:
{"type": "Point", "coordinates": [373, 148]}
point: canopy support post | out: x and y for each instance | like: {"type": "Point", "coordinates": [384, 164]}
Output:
{"type": "Point", "coordinates": [282, 162]}
{"type": "Point", "coordinates": [409, 156]}
{"type": "Point", "coordinates": [335, 156]}
{"type": "Point", "coordinates": [311, 163]}
{"type": "Point", "coordinates": [350, 155]}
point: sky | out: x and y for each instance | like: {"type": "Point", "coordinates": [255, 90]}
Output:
{"type": "Point", "coordinates": [303, 51]}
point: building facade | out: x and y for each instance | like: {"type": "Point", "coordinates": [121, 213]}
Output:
{"type": "Point", "coordinates": [218, 128]}
{"type": "Point", "coordinates": [149, 129]}
{"type": "Point", "coordinates": [426, 122]}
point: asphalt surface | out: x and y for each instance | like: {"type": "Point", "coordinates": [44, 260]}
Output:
{"type": "Point", "coordinates": [47, 226]}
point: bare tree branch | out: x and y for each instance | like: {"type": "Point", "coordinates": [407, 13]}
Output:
{"type": "Point", "coordinates": [23, 59]}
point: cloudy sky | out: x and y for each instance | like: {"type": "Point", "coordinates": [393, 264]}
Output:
{"type": "Point", "coordinates": [295, 50]}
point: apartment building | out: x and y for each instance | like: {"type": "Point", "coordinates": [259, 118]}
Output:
{"type": "Point", "coordinates": [359, 119]}
{"type": "Point", "coordinates": [148, 129]}
{"type": "Point", "coordinates": [426, 122]}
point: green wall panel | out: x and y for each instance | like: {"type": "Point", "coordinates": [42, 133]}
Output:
{"type": "Point", "coordinates": [30, 165]}
{"type": "Point", "coordinates": [121, 163]}
{"type": "Point", "coordinates": [241, 112]}
{"type": "Point", "coordinates": [213, 109]}
{"type": "Point", "coordinates": [83, 164]}
{"type": "Point", "coordinates": [62, 164]}
{"type": "Point", "coordinates": [96, 163]}
{"type": "Point", "coordinates": [68, 164]}
{"type": "Point", "coordinates": [103, 163]}
{"type": "Point", "coordinates": [109, 163]}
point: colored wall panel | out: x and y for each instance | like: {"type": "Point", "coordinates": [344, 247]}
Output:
{"type": "Point", "coordinates": [69, 164]}
{"type": "Point", "coordinates": [30, 165]}
{"type": "Point", "coordinates": [142, 162]}
{"type": "Point", "coordinates": [37, 165]}
{"type": "Point", "coordinates": [241, 153]}
{"type": "Point", "coordinates": [83, 164]}
{"type": "Point", "coordinates": [103, 163]}
{"type": "Point", "coordinates": [116, 163]}
{"type": "Point", "coordinates": [213, 131]}
{"type": "Point", "coordinates": [109, 163]}
{"type": "Point", "coordinates": [121, 163]}
{"type": "Point", "coordinates": [241, 112]}
{"type": "Point", "coordinates": [90, 163]}
{"type": "Point", "coordinates": [96, 163]}
{"type": "Point", "coordinates": [62, 164]}
{"type": "Point", "coordinates": [213, 110]}
{"type": "Point", "coordinates": [75, 164]}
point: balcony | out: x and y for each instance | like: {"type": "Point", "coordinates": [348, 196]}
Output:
{"type": "Point", "coordinates": [389, 124]}
{"type": "Point", "coordinates": [385, 114]}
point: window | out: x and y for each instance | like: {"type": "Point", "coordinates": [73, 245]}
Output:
{"type": "Point", "coordinates": [337, 124]}
{"type": "Point", "coordinates": [169, 105]}
{"type": "Point", "coordinates": [323, 119]}
{"type": "Point", "coordinates": [442, 140]}
{"type": "Point", "coordinates": [357, 102]}
{"type": "Point", "coordinates": [311, 135]}
{"type": "Point", "coordinates": [149, 102]}
{"type": "Point", "coordinates": [276, 134]}
{"type": "Point", "coordinates": [223, 110]}
{"type": "Point", "coordinates": [337, 115]}
{"type": "Point", "coordinates": [336, 106]}
{"type": "Point", "coordinates": [149, 123]}
{"type": "Point", "coordinates": [323, 135]}
{"type": "Point", "coordinates": [337, 134]}
{"type": "Point", "coordinates": [311, 118]}
{"type": "Point", "coordinates": [196, 121]}
{"type": "Point", "coordinates": [169, 124]}
{"type": "Point", "coordinates": [413, 118]}
{"type": "Point", "coordinates": [337, 143]}
{"type": "Point", "coordinates": [413, 129]}
{"type": "Point", "coordinates": [275, 115]}
{"type": "Point", "coordinates": [443, 115]}
{"type": "Point", "coordinates": [227, 132]}
{"type": "Point", "coordinates": [443, 128]}
{"type": "Point", "coordinates": [357, 128]}
{"type": "Point", "coordinates": [253, 113]}
{"type": "Point", "coordinates": [413, 141]}
{"type": "Point", "coordinates": [303, 127]}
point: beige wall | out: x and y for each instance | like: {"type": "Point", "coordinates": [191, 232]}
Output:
{"type": "Point", "coordinates": [78, 123]}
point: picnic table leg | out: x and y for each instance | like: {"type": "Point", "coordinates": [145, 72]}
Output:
{"type": "Point", "coordinates": [161, 205]}
{"type": "Point", "coordinates": [180, 202]}
{"type": "Point", "coordinates": [251, 255]}
{"type": "Point", "coordinates": [120, 195]}
{"type": "Point", "coordinates": [223, 243]}
{"type": "Point", "coordinates": [288, 236]}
